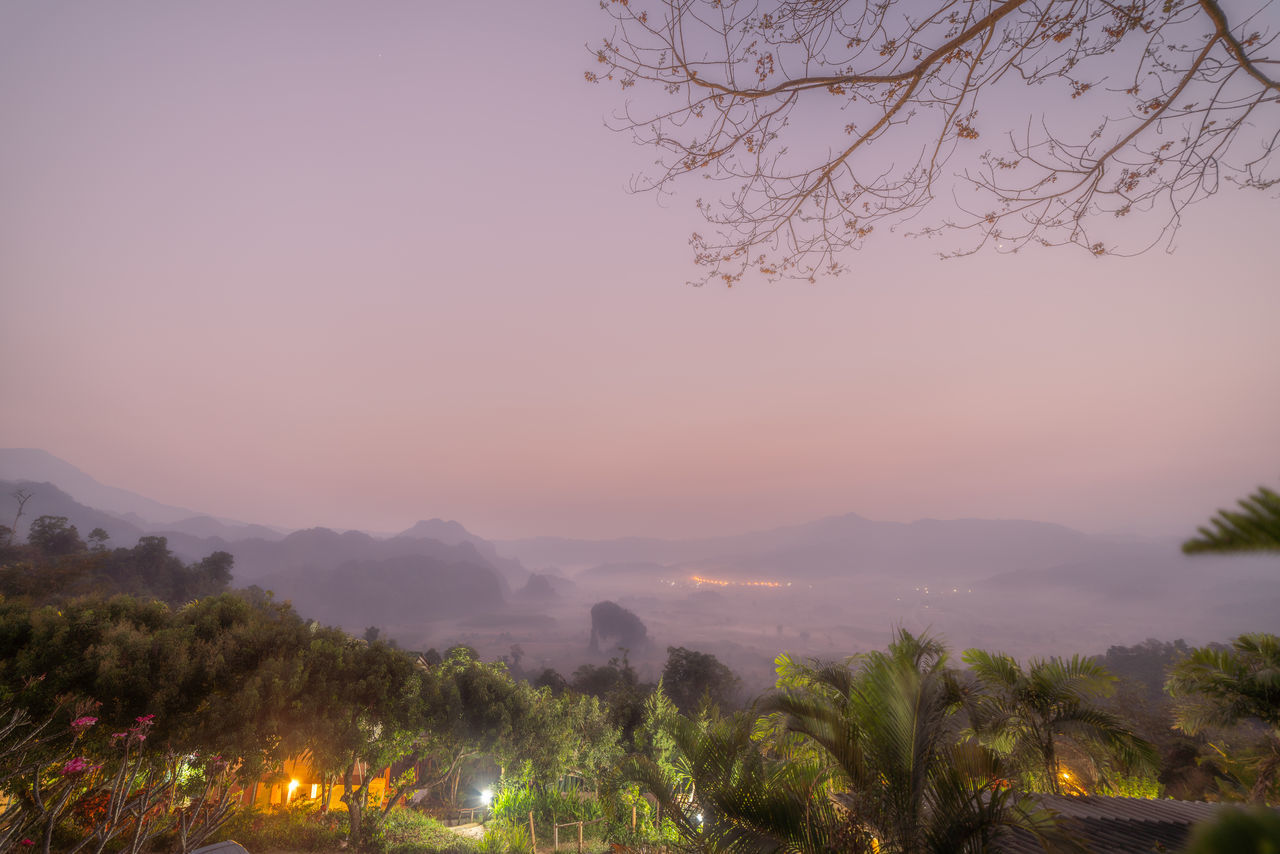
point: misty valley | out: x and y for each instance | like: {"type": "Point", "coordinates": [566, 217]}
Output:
{"type": "Point", "coordinates": [827, 589]}
{"type": "Point", "coordinates": [462, 694]}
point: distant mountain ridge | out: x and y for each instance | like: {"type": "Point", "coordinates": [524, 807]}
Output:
{"type": "Point", "coordinates": [1012, 579]}
{"type": "Point", "coordinates": [47, 499]}
{"type": "Point", "coordinates": [434, 569]}
{"type": "Point", "coordinates": [40, 466]}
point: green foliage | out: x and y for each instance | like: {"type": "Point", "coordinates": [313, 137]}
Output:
{"type": "Point", "coordinates": [293, 828]}
{"type": "Point", "coordinates": [53, 536]}
{"type": "Point", "coordinates": [1131, 786]}
{"type": "Point", "coordinates": [1216, 687]}
{"type": "Point", "coordinates": [694, 679]}
{"type": "Point", "coordinates": [646, 834]}
{"type": "Point", "coordinates": [56, 566]}
{"type": "Point", "coordinates": [220, 674]}
{"type": "Point", "coordinates": [1034, 715]}
{"type": "Point", "coordinates": [71, 792]}
{"type": "Point", "coordinates": [1237, 831]}
{"type": "Point", "coordinates": [653, 739]}
{"type": "Point", "coordinates": [865, 755]}
{"type": "Point", "coordinates": [618, 686]}
{"type": "Point", "coordinates": [1146, 664]}
{"type": "Point", "coordinates": [1220, 687]}
{"type": "Point", "coordinates": [507, 839]}
{"type": "Point", "coordinates": [251, 682]}
{"type": "Point", "coordinates": [406, 831]}
{"type": "Point", "coordinates": [1255, 527]}
{"type": "Point", "coordinates": [513, 802]}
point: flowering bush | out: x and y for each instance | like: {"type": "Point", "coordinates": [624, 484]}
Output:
{"type": "Point", "coordinates": [74, 796]}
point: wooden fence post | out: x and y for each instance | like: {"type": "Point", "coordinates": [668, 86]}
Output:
{"type": "Point", "coordinates": [555, 837]}
{"type": "Point", "coordinates": [579, 837]}
{"type": "Point", "coordinates": [533, 837]}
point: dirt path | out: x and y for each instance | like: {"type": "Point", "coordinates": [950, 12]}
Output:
{"type": "Point", "coordinates": [470, 831]}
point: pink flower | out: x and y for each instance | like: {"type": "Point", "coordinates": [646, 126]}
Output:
{"type": "Point", "coordinates": [82, 723]}
{"type": "Point", "coordinates": [146, 719]}
{"type": "Point", "coordinates": [27, 842]}
{"type": "Point", "coordinates": [76, 766]}
{"type": "Point", "coordinates": [116, 736]}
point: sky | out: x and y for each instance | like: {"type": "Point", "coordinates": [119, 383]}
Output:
{"type": "Point", "coordinates": [356, 265]}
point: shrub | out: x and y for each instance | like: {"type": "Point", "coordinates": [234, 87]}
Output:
{"type": "Point", "coordinates": [296, 828]}
{"type": "Point", "coordinates": [407, 831]}
{"type": "Point", "coordinates": [512, 805]}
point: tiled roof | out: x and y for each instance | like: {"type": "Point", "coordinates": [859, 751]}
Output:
{"type": "Point", "coordinates": [1117, 825]}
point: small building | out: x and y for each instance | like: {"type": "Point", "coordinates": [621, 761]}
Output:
{"type": "Point", "coordinates": [302, 783]}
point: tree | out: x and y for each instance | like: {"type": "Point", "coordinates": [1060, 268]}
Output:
{"type": "Point", "coordinates": [21, 497]}
{"type": "Point", "coordinates": [892, 730]}
{"type": "Point", "coordinates": [1255, 527]}
{"type": "Point", "coordinates": [829, 119]}
{"type": "Point", "coordinates": [690, 677]}
{"type": "Point", "coordinates": [53, 536]}
{"type": "Point", "coordinates": [1030, 715]}
{"type": "Point", "coordinates": [1217, 687]}
{"type": "Point", "coordinates": [98, 539]}
{"type": "Point", "coordinates": [619, 686]}
{"type": "Point", "coordinates": [368, 713]}
{"type": "Point", "coordinates": [221, 675]}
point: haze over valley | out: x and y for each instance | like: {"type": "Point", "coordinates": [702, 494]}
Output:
{"type": "Point", "coordinates": [826, 589]}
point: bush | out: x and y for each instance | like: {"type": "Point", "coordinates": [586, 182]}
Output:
{"type": "Point", "coordinates": [512, 805]}
{"type": "Point", "coordinates": [299, 828]}
{"type": "Point", "coordinates": [506, 839]}
{"type": "Point", "coordinates": [407, 831]}
{"type": "Point", "coordinates": [617, 828]}
{"type": "Point", "coordinates": [1132, 787]}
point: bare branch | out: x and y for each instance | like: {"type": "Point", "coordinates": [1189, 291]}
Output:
{"type": "Point", "coordinates": [745, 92]}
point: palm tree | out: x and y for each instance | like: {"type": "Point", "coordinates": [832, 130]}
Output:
{"type": "Point", "coordinates": [901, 765]}
{"type": "Point", "coordinates": [724, 794]}
{"type": "Point", "coordinates": [1223, 687]}
{"type": "Point", "coordinates": [866, 755]}
{"type": "Point", "coordinates": [1029, 715]}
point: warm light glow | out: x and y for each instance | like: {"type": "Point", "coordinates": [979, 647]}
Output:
{"type": "Point", "coordinates": [486, 797]}
{"type": "Point", "coordinates": [720, 582]}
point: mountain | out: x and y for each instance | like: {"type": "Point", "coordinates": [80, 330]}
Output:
{"type": "Point", "coordinates": [207, 526]}
{"type": "Point", "coordinates": [48, 500]}
{"type": "Point", "coordinates": [404, 589]}
{"type": "Point", "coordinates": [41, 466]}
{"type": "Point", "coordinates": [38, 466]}
{"type": "Point", "coordinates": [320, 551]}
{"type": "Point", "coordinates": [453, 533]}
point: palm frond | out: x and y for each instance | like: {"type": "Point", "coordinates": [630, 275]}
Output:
{"type": "Point", "coordinates": [1254, 527]}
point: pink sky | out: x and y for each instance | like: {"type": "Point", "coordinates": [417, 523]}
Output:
{"type": "Point", "coordinates": [356, 265]}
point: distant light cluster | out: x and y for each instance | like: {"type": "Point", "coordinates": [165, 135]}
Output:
{"type": "Point", "coordinates": [720, 582]}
